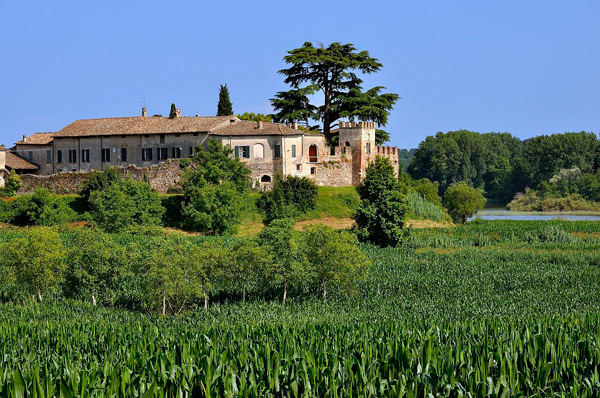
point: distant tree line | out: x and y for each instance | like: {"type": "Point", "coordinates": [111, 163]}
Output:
{"type": "Point", "coordinates": [499, 163]}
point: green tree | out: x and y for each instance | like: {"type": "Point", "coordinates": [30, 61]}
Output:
{"type": "Point", "coordinates": [248, 263]}
{"type": "Point", "coordinates": [335, 258]}
{"type": "Point", "coordinates": [171, 276]}
{"type": "Point", "coordinates": [255, 117]}
{"type": "Point", "coordinates": [11, 185]}
{"type": "Point", "coordinates": [285, 246]}
{"type": "Point", "coordinates": [212, 209]}
{"type": "Point", "coordinates": [35, 262]}
{"type": "Point", "coordinates": [462, 201]}
{"type": "Point", "coordinates": [381, 137]}
{"type": "Point", "coordinates": [380, 217]}
{"type": "Point", "coordinates": [173, 112]}
{"type": "Point", "coordinates": [225, 107]}
{"type": "Point", "coordinates": [208, 264]}
{"type": "Point", "coordinates": [332, 71]}
{"type": "Point", "coordinates": [93, 266]}
{"type": "Point", "coordinates": [215, 165]}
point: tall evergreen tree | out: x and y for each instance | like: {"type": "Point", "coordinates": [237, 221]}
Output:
{"type": "Point", "coordinates": [173, 113]}
{"type": "Point", "coordinates": [333, 72]}
{"type": "Point", "coordinates": [225, 107]}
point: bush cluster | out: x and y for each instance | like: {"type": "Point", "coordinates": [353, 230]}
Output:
{"type": "Point", "coordinates": [170, 273]}
{"type": "Point", "coordinates": [290, 197]}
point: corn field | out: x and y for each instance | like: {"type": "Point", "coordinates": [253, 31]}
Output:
{"type": "Point", "coordinates": [489, 309]}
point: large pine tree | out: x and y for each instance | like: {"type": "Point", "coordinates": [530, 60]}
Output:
{"type": "Point", "coordinates": [331, 71]}
{"type": "Point", "coordinates": [225, 107]}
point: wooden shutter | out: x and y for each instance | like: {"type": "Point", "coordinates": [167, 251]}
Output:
{"type": "Point", "coordinates": [247, 152]}
{"type": "Point", "coordinates": [237, 151]}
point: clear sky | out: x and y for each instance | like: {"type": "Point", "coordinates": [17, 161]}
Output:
{"type": "Point", "coordinates": [527, 67]}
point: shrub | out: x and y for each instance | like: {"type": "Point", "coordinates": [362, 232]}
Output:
{"type": "Point", "coordinates": [119, 205]}
{"type": "Point", "coordinates": [212, 209]}
{"type": "Point", "coordinates": [98, 182]}
{"type": "Point", "coordinates": [381, 214]}
{"type": "Point", "coordinates": [41, 208]}
{"type": "Point", "coordinates": [463, 201]}
{"type": "Point", "coordinates": [289, 197]}
{"type": "Point", "coordinates": [11, 185]}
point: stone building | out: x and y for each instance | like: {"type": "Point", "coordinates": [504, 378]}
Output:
{"type": "Point", "coordinates": [37, 149]}
{"type": "Point", "coordinates": [266, 148]}
{"type": "Point", "coordinates": [2, 165]}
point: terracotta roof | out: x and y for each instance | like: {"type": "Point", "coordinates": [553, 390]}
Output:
{"type": "Point", "coordinates": [16, 162]}
{"type": "Point", "coordinates": [141, 125]}
{"type": "Point", "coordinates": [37, 139]}
{"type": "Point", "coordinates": [241, 127]}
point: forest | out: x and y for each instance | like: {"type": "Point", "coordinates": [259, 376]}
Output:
{"type": "Point", "coordinates": [504, 166]}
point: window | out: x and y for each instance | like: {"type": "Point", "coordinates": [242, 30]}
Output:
{"type": "Point", "coordinates": [123, 154]}
{"type": "Point", "coordinates": [259, 151]}
{"type": "Point", "coordinates": [265, 178]}
{"type": "Point", "coordinates": [195, 134]}
{"type": "Point", "coordinates": [72, 155]}
{"type": "Point", "coordinates": [368, 147]}
{"type": "Point", "coordinates": [176, 153]}
{"type": "Point", "coordinates": [313, 170]}
{"type": "Point", "coordinates": [313, 154]}
{"type": "Point", "coordinates": [48, 156]}
{"type": "Point", "coordinates": [298, 167]}
{"type": "Point", "coordinates": [277, 151]}
{"type": "Point", "coordinates": [242, 152]}
{"type": "Point", "coordinates": [85, 155]}
{"type": "Point", "coordinates": [59, 156]}
{"type": "Point", "coordinates": [162, 154]}
{"type": "Point", "coordinates": [146, 154]}
{"type": "Point", "coordinates": [293, 151]}
{"type": "Point", "coordinates": [30, 156]}
{"type": "Point", "coordinates": [105, 152]}
{"type": "Point", "coordinates": [162, 138]}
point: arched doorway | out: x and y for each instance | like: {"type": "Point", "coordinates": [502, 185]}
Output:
{"type": "Point", "coordinates": [313, 156]}
{"type": "Point", "coordinates": [266, 179]}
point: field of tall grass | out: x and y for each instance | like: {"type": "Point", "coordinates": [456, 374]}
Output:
{"type": "Point", "coordinates": [493, 308]}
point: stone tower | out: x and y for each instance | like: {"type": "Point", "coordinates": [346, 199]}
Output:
{"type": "Point", "coordinates": [361, 138]}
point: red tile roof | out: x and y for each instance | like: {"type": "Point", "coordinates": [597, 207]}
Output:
{"type": "Point", "coordinates": [37, 139]}
{"type": "Point", "coordinates": [141, 125]}
{"type": "Point", "coordinates": [15, 162]}
{"type": "Point", "coordinates": [241, 128]}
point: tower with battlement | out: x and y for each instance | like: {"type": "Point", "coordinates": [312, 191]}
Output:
{"type": "Point", "coordinates": [360, 137]}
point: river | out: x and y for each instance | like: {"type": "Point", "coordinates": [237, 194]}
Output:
{"type": "Point", "coordinates": [500, 214]}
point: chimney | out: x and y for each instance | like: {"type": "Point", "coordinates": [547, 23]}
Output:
{"type": "Point", "coordinates": [259, 124]}
{"type": "Point", "coordinates": [24, 138]}
{"type": "Point", "coordinates": [177, 112]}
{"type": "Point", "coordinates": [295, 125]}
{"type": "Point", "coordinates": [143, 111]}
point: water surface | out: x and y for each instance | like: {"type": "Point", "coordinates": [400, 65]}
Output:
{"type": "Point", "coordinates": [498, 214]}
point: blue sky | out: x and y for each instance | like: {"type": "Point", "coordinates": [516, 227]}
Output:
{"type": "Point", "coordinates": [527, 67]}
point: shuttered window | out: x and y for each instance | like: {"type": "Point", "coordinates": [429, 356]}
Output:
{"type": "Point", "coordinates": [277, 151]}
{"type": "Point", "coordinates": [293, 151]}
{"type": "Point", "coordinates": [242, 152]}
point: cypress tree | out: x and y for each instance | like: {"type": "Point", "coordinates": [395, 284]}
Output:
{"type": "Point", "coordinates": [225, 107]}
{"type": "Point", "coordinates": [173, 113]}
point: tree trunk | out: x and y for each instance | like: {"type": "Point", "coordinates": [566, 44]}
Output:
{"type": "Point", "coordinates": [205, 301]}
{"type": "Point", "coordinates": [244, 294]}
{"type": "Point", "coordinates": [164, 309]}
{"type": "Point", "coordinates": [324, 289]}
{"type": "Point", "coordinates": [284, 292]}
{"type": "Point", "coordinates": [93, 297]}
{"type": "Point", "coordinates": [40, 295]}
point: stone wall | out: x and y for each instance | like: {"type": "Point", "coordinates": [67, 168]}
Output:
{"type": "Point", "coordinates": [161, 177]}
{"type": "Point", "coordinates": [334, 173]}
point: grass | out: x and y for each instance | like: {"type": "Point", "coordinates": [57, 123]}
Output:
{"type": "Point", "coordinates": [491, 308]}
